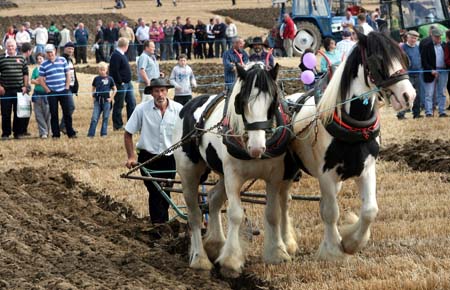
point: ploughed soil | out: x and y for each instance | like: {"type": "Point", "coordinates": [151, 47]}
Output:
{"type": "Point", "coordinates": [261, 17]}
{"type": "Point", "coordinates": [56, 233]}
{"type": "Point", "coordinates": [210, 79]}
{"type": "Point", "coordinates": [5, 4]}
{"type": "Point", "coordinates": [421, 155]}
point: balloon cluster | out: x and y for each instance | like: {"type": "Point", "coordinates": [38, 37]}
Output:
{"type": "Point", "coordinates": [309, 61]}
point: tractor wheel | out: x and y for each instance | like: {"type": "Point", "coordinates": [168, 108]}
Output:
{"type": "Point", "coordinates": [308, 36]}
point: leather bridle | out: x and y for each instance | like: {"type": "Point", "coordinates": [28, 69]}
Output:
{"type": "Point", "coordinates": [372, 71]}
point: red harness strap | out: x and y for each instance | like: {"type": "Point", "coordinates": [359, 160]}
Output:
{"type": "Point", "coordinates": [364, 131]}
{"type": "Point", "coordinates": [240, 56]}
{"type": "Point", "coordinates": [269, 53]}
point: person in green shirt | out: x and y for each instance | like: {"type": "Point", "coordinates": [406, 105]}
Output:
{"type": "Point", "coordinates": [41, 107]}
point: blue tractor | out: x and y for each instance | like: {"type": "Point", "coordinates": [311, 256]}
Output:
{"type": "Point", "coordinates": [315, 20]}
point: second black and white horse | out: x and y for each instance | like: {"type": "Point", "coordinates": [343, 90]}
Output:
{"type": "Point", "coordinates": [252, 105]}
{"type": "Point", "coordinates": [337, 138]}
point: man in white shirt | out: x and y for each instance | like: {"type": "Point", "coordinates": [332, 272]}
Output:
{"type": "Point", "coordinates": [142, 34]}
{"type": "Point", "coordinates": [147, 68]}
{"type": "Point", "coordinates": [22, 36]}
{"type": "Point", "coordinates": [155, 120]}
{"type": "Point", "coordinates": [348, 22]}
{"type": "Point", "coordinates": [41, 37]}
{"type": "Point", "coordinates": [210, 39]}
{"type": "Point", "coordinates": [363, 23]}
{"type": "Point", "coordinates": [65, 38]}
{"type": "Point", "coordinates": [346, 44]}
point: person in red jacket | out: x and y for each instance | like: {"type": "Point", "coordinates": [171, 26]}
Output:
{"type": "Point", "coordinates": [288, 34]}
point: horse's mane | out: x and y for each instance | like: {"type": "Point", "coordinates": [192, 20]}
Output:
{"type": "Point", "coordinates": [257, 77]}
{"type": "Point", "coordinates": [375, 44]}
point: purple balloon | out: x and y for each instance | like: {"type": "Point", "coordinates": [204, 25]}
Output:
{"type": "Point", "coordinates": [309, 60]}
{"type": "Point", "coordinates": [307, 77]}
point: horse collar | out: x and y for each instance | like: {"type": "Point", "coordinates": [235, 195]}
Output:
{"type": "Point", "coordinates": [350, 130]}
{"type": "Point", "coordinates": [276, 145]}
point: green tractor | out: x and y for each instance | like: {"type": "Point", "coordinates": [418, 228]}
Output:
{"type": "Point", "coordinates": [415, 15]}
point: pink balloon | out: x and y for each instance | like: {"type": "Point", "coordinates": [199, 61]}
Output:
{"type": "Point", "coordinates": [307, 77]}
{"type": "Point", "coordinates": [309, 60]}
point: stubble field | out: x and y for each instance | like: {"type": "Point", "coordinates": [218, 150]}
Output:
{"type": "Point", "coordinates": [67, 221]}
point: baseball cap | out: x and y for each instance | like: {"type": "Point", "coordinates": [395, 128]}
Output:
{"type": "Point", "coordinates": [436, 32]}
{"type": "Point", "coordinates": [49, 47]}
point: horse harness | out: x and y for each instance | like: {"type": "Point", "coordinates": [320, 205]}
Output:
{"type": "Point", "coordinates": [276, 144]}
{"type": "Point", "coordinates": [373, 71]}
{"type": "Point", "coordinates": [343, 128]}
{"type": "Point", "coordinates": [348, 129]}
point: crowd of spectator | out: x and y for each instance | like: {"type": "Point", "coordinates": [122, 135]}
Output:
{"type": "Point", "coordinates": [146, 43]}
{"type": "Point", "coordinates": [428, 63]}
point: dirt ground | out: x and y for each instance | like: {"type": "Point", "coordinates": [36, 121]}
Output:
{"type": "Point", "coordinates": [420, 154]}
{"type": "Point", "coordinates": [57, 233]}
{"type": "Point", "coordinates": [67, 221]}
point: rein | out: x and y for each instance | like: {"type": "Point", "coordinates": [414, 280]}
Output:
{"type": "Point", "coordinates": [372, 70]}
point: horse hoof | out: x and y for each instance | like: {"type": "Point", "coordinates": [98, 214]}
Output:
{"type": "Point", "coordinates": [351, 242]}
{"type": "Point", "coordinates": [201, 263]}
{"type": "Point", "coordinates": [292, 247]}
{"type": "Point", "coordinates": [213, 248]}
{"type": "Point", "coordinates": [331, 253]}
{"type": "Point", "coordinates": [277, 256]}
{"type": "Point", "coordinates": [352, 246]}
{"type": "Point", "coordinates": [231, 267]}
{"type": "Point", "coordinates": [230, 273]}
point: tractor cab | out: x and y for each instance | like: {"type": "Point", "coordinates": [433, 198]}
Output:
{"type": "Point", "coordinates": [415, 15]}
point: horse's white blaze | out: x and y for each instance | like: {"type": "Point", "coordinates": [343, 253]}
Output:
{"type": "Point", "coordinates": [401, 90]}
{"type": "Point", "coordinates": [256, 111]}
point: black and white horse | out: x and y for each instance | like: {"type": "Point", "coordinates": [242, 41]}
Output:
{"type": "Point", "coordinates": [337, 139]}
{"type": "Point", "coordinates": [252, 105]}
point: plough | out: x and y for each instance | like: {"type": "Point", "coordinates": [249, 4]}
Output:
{"type": "Point", "coordinates": [164, 184]}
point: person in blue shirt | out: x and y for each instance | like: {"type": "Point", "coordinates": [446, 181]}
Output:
{"type": "Point", "coordinates": [103, 90]}
{"type": "Point", "coordinates": [54, 77]}
{"type": "Point", "coordinates": [331, 57]}
{"type": "Point", "coordinates": [235, 55]}
{"type": "Point", "coordinates": [81, 38]}
{"type": "Point", "coordinates": [411, 49]}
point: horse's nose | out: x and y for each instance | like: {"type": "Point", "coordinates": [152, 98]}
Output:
{"type": "Point", "coordinates": [256, 152]}
{"type": "Point", "coordinates": [409, 99]}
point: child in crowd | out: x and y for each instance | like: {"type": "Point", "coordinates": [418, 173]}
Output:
{"type": "Point", "coordinates": [183, 79]}
{"type": "Point", "coordinates": [103, 91]}
{"type": "Point", "coordinates": [41, 107]}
